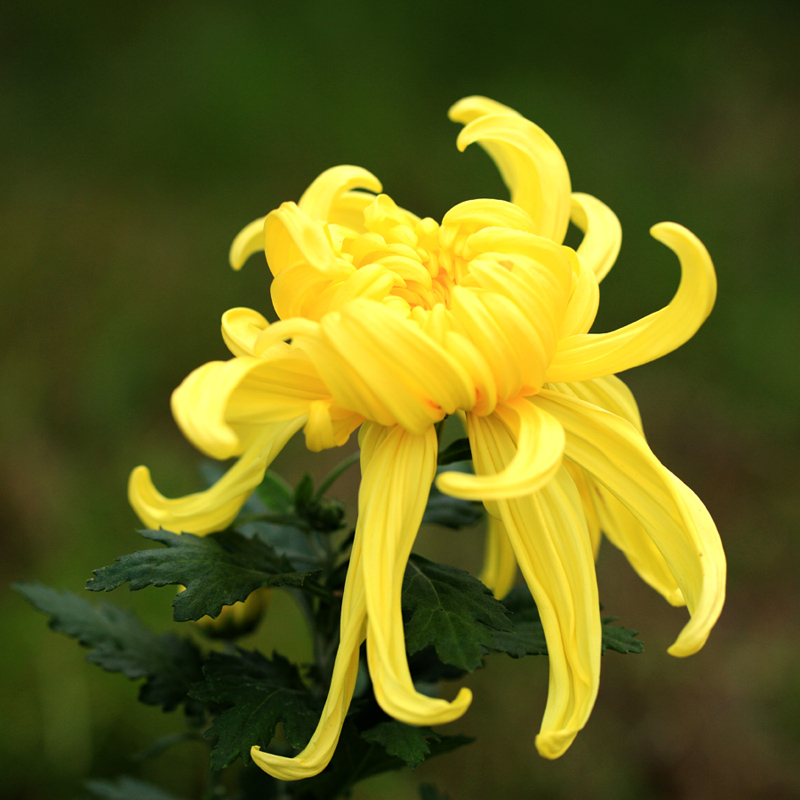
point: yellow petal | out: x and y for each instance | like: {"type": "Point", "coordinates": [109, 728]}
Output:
{"type": "Point", "coordinates": [528, 159]}
{"type": "Point", "coordinates": [602, 233]}
{"type": "Point", "coordinates": [499, 565]}
{"type": "Point", "coordinates": [547, 531]}
{"type": "Point", "coordinates": [221, 405]}
{"type": "Point", "coordinates": [216, 507]}
{"type": "Point", "coordinates": [320, 749]}
{"type": "Point", "coordinates": [241, 328]}
{"type": "Point", "coordinates": [584, 299]}
{"type": "Point", "coordinates": [248, 241]}
{"type": "Point", "coordinates": [616, 455]}
{"type": "Point", "coordinates": [619, 525]}
{"type": "Point", "coordinates": [325, 191]}
{"type": "Point", "coordinates": [293, 237]}
{"type": "Point", "coordinates": [592, 355]}
{"type": "Point", "coordinates": [532, 443]}
{"type": "Point", "coordinates": [397, 470]}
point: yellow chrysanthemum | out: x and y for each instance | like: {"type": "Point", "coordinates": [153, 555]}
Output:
{"type": "Point", "coordinates": [391, 322]}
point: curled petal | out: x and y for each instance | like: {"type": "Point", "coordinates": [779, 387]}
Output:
{"type": "Point", "coordinates": [602, 233]}
{"type": "Point", "coordinates": [397, 470]}
{"type": "Point", "coordinates": [221, 405]}
{"type": "Point", "coordinates": [216, 507]}
{"type": "Point", "coordinates": [547, 531]}
{"type": "Point", "coordinates": [325, 191]}
{"type": "Point", "coordinates": [241, 328]}
{"type": "Point", "coordinates": [531, 442]}
{"type": "Point", "coordinates": [528, 159]}
{"type": "Point", "coordinates": [248, 241]}
{"type": "Point", "coordinates": [499, 564]}
{"type": "Point", "coordinates": [292, 237]}
{"type": "Point", "coordinates": [616, 455]}
{"type": "Point", "coordinates": [584, 299]}
{"type": "Point", "coordinates": [592, 355]}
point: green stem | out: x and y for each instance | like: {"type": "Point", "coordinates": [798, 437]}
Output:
{"type": "Point", "coordinates": [329, 479]}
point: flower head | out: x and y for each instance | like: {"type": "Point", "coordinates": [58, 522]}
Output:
{"type": "Point", "coordinates": [390, 323]}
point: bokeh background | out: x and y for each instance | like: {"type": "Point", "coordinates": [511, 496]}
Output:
{"type": "Point", "coordinates": [137, 139]}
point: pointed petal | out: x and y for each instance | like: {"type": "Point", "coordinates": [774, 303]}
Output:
{"type": "Point", "coordinates": [602, 233]}
{"type": "Point", "coordinates": [216, 507]}
{"type": "Point", "coordinates": [548, 534]}
{"type": "Point", "coordinates": [592, 355]}
{"type": "Point", "coordinates": [499, 565]}
{"type": "Point", "coordinates": [397, 470]}
{"type": "Point", "coordinates": [326, 190]}
{"type": "Point", "coordinates": [616, 455]}
{"type": "Point", "coordinates": [532, 444]}
{"type": "Point", "coordinates": [248, 241]}
{"type": "Point", "coordinates": [528, 159]}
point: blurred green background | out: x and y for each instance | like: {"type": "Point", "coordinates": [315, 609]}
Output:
{"type": "Point", "coordinates": [137, 139]}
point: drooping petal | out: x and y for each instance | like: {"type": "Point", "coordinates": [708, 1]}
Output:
{"type": "Point", "coordinates": [528, 159]}
{"type": "Point", "coordinates": [547, 531]}
{"type": "Point", "coordinates": [499, 563]}
{"type": "Point", "coordinates": [592, 355]}
{"type": "Point", "coordinates": [318, 752]}
{"type": "Point", "coordinates": [537, 441]}
{"type": "Point", "coordinates": [326, 189]}
{"type": "Point", "coordinates": [397, 470]}
{"type": "Point", "coordinates": [618, 524]}
{"type": "Point", "coordinates": [248, 241]}
{"type": "Point", "coordinates": [216, 507]}
{"type": "Point", "coordinates": [617, 456]}
{"type": "Point", "coordinates": [587, 490]}
{"type": "Point", "coordinates": [602, 233]}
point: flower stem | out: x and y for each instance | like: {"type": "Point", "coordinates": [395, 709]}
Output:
{"type": "Point", "coordinates": [329, 479]}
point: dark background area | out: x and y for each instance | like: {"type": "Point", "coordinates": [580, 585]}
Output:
{"type": "Point", "coordinates": [136, 140]}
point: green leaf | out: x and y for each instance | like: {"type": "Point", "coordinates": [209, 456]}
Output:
{"type": "Point", "coordinates": [407, 742]}
{"type": "Point", "coordinates": [451, 512]}
{"type": "Point", "coordinates": [452, 611]}
{"type": "Point", "coordinates": [459, 450]}
{"type": "Point", "coordinates": [527, 638]}
{"type": "Point", "coordinates": [217, 570]}
{"type": "Point", "coordinates": [118, 642]}
{"type": "Point", "coordinates": [125, 788]}
{"type": "Point", "coordinates": [275, 493]}
{"type": "Point", "coordinates": [254, 694]}
{"type": "Point", "coordinates": [623, 640]}
{"type": "Point", "coordinates": [288, 541]}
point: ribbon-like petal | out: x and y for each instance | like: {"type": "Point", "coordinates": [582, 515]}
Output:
{"type": "Point", "coordinates": [536, 442]}
{"type": "Point", "coordinates": [397, 470]}
{"type": "Point", "coordinates": [593, 355]}
{"type": "Point", "coordinates": [616, 455]}
{"type": "Point", "coordinates": [215, 508]}
{"type": "Point", "coordinates": [529, 161]}
{"type": "Point", "coordinates": [499, 564]}
{"type": "Point", "coordinates": [547, 531]}
{"type": "Point", "coordinates": [602, 233]}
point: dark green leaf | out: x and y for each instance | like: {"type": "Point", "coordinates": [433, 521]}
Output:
{"type": "Point", "coordinates": [254, 694]}
{"type": "Point", "coordinates": [125, 788]}
{"type": "Point", "coordinates": [217, 570]}
{"type": "Point", "coordinates": [528, 639]}
{"type": "Point", "coordinates": [406, 742]}
{"type": "Point", "coordinates": [451, 512]}
{"type": "Point", "coordinates": [304, 491]}
{"type": "Point", "coordinates": [118, 642]}
{"type": "Point", "coordinates": [458, 450]}
{"type": "Point", "coordinates": [623, 640]}
{"type": "Point", "coordinates": [452, 611]}
{"type": "Point", "coordinates": [275, 493]}
{"type": "Point", "coordinates": [288, 541]}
